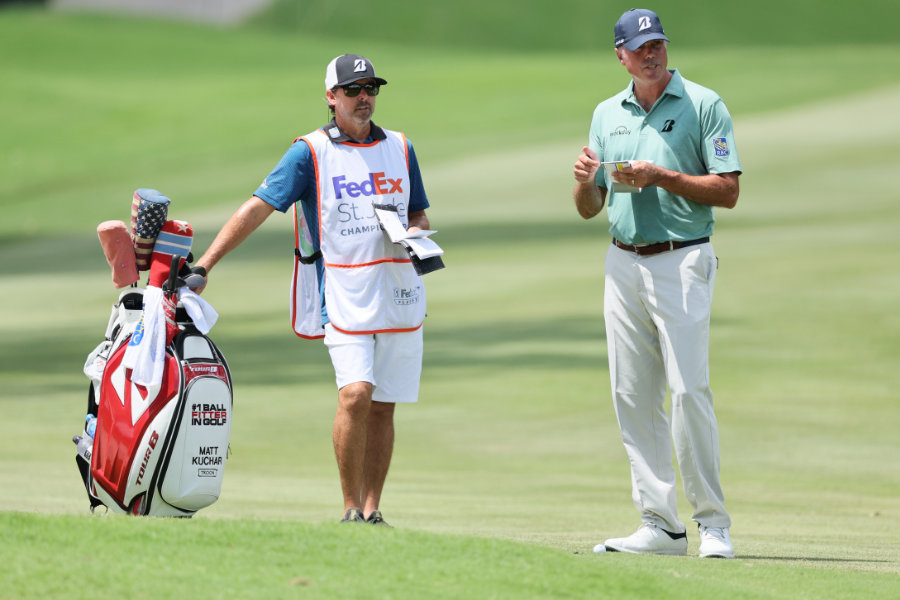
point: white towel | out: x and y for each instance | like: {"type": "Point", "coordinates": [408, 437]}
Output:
{"type": "Point", "coordinates": [199, 310]}
{"type": "Point", "coordinates": [146, 351]}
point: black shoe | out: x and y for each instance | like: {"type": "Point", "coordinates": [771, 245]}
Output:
{"type": "Point", "coordinates": [353, 515]}
{"type": "Point", "coordinates": [376, 519]}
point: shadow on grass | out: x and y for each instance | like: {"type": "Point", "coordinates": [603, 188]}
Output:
{"type": "Point", "coordinates": [563, 343]}
{"type": "Point", "coordinates": [82, 253]}
{"type": "Point", "coordinates": [555, 344]}
{"type": "Point", "coordinates": [51, 359]}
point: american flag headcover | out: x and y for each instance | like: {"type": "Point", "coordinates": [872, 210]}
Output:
{"type": "Point", "coordinates": [175, 237]}
{"type": "Point", "coordinates": [149, 211]}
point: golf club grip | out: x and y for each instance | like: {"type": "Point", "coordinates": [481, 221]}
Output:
{"type": "Point", "coordinates": [173, 273]}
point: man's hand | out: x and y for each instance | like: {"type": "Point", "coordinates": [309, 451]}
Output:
{"type": "Point", "coordinates": [197, 280]}
{"type": "Point", "coordinates": [418, 220]}
{"type": "Point", "coordinates": [589, 198]}
{"type": "Point", "coordinates": [638, 174]}
{"type": "Point", "coordinates": [586, 166]}
{"type": "Point", "coordinates": [713, 189]}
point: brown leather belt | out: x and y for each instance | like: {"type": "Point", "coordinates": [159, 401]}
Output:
{"type": "Point", "coordinates": [648, 249]}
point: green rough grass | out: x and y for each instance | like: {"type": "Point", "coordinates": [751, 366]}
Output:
{"type": "Point", "coordinates": [510, 468]}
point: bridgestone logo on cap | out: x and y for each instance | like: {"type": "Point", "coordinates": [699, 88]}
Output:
{"type": "Point", "coordinates": [359, 66]}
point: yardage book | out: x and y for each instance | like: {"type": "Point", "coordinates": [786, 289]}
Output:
{"type": "Point", "coordinates": [617, 165]}
{"type": "Point", "coordinates": [424, 253]}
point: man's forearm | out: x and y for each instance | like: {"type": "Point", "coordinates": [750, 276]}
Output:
{"type": "Point", "coordinates": [242, 223]}
{"type": "Point", "coordinates": [711, 190]}
{"type": "Point", "coordinates": [589, 199]}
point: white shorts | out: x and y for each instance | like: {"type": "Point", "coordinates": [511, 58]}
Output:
{"type": "Point", "coordinates": [391, 362]}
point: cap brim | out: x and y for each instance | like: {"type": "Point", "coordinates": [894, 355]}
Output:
{"type": "Point", "coordinates": [640, 40]}
{"type": "Point", "coordinates": [378, 80]}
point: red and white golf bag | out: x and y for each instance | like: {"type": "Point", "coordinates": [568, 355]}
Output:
{"type": "Point", "coordinates": [156, 449]}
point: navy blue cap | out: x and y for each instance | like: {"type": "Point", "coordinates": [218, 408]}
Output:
{"type": "Point", "coordinates": [637, 27]}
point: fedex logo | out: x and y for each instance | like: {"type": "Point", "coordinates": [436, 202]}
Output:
{"type": "Point", "coordinates": [377, 184]}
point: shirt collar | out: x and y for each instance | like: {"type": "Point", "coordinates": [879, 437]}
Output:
{"type": "Point", "coordinates": [675, 87]}
{"type": "Point", "coordinates": [334, 133]}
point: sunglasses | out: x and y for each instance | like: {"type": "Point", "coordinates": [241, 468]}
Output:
{"type": "Point", "coordinates": [351, 90]}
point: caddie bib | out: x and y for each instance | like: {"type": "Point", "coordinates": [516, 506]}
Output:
{"type": "Point", "coordinates": [370, 284]}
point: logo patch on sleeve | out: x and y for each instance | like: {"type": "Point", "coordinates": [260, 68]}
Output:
{"type": "Point", "coordinates": [721, 146]}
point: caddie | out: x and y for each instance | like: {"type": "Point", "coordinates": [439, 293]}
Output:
{"type": "Point", "coordinates": [352, 286]}
{"type": "Point", "coordinates": [674, 143]}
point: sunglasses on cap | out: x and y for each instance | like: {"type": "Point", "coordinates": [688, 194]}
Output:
{"type": "Point", "coordinates": [351, 90]}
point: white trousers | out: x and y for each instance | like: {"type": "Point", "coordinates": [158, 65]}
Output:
{"type": "Point", "coordinates": [657, 311]}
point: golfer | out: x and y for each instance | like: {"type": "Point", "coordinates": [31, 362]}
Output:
{"type": "Point", "coordinates": [369, 301]}
{"type": "Point", "coordinates": [677, 139]}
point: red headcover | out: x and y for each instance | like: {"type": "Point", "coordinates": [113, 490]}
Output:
{"type": "Point", "coordinates": [175, 237]}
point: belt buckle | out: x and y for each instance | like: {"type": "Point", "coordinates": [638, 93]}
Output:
{"type": "Point", "coordinates": [639, 248]}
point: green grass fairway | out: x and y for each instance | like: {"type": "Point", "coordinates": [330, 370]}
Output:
{"type": "Point", "coordinates": [222, 558]}
{"type": "Point", "coordinates": [510, 468]}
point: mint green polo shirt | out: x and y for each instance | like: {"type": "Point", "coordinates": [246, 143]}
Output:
{"type": "Point", "coordinates": [687, 130]}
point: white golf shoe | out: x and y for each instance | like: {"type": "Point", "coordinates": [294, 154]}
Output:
{"type": "Point", "coordinates": [649, 539]}
{"type": "Point", "coordinates": [715, 543]}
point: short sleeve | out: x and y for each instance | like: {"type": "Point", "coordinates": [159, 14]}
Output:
{"type": "Point", "coordinates": [417, 198]}
{"type": "Point", "coordinates": [292, 179]}
{"type": "Point", "coordinates": [718, 146]}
